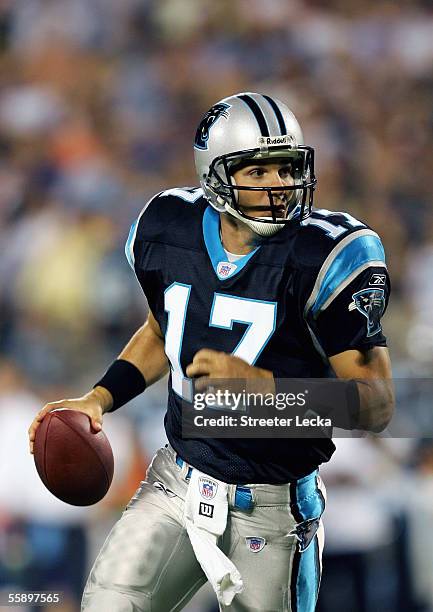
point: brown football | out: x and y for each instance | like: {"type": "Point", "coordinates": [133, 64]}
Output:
{"type": "Point", "coordinates": [74, 462]}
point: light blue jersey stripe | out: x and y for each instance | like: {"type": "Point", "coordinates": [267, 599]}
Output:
{"type": "Point", "coordinates": [215, 249]}
{"type": "Point", "coordinates": [361, 251]}
{"type": "Point", "coordinates": [129, 246]}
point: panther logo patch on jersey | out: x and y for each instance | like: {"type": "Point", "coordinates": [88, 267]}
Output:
{"type": "Point", "coordinates": [202, 134]}
{"type": "Point", "coordinates": [371, 304]}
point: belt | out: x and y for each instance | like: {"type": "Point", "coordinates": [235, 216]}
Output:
{"type": "Point", "coordinates": [243, 495]}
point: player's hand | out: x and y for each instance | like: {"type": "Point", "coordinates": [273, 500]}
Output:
{"type": "Point", "coordinates": [209, 366]}
{"type": "Point", "coordinates": [93, 404]}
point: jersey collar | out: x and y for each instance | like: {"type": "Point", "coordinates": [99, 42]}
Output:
{"type": "Point", "coordinates": [211, 234]}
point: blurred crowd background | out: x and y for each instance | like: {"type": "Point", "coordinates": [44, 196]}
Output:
{"type": "Point", "coordinates": [99, 102]}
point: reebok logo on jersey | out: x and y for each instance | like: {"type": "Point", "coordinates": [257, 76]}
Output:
{"type": "Point", "coordinates": [205, 509]}
{"type": "Point", "coordinates": [225, 268]}
{"type": "Point", "coordinates": [377, 280]}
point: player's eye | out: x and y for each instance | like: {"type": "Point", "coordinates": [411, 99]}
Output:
{"type": "Point", "coordinates": [257, 172]}
{"type": "Point", "coordinates": [285, 171]}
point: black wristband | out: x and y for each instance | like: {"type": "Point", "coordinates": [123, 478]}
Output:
{"type": "Point", "coordinates": [124, 381]}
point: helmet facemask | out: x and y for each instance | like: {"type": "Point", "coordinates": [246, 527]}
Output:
{"type": "Point", "coordinates": [223, 192]}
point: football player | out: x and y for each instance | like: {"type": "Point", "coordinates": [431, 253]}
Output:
{"type": "Point", "coordinates": [244, 280]}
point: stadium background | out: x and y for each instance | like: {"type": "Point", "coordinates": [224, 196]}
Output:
{"type": "Point", "coordinates": [98, 107]}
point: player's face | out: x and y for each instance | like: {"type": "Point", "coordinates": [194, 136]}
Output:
{"type": "Point", "coordinates": [269, 174]}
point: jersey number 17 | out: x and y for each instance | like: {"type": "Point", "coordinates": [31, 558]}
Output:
{"type": "Point", "coordinates": [259, 317]}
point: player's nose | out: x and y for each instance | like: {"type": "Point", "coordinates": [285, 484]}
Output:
{"type": "Point", "coordinates": [278, 181]}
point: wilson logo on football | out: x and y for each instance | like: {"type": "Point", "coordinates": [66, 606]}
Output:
{"type": "Point", "coordinates": [207, 488]}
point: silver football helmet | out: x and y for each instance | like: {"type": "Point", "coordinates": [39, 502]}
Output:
{"type": "Point", "coordinates": [250, 127]}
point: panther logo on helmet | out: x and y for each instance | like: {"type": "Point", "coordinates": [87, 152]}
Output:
{"type": "Point", "coordinates": [202, 135]}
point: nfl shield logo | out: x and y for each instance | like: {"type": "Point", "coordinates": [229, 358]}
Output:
{"type": "Point", "coordinates": [255, 544]}
{"type": "Point", "coordinates": [225, 268]}
{"type": "Point", "coordinates": [207, 487]}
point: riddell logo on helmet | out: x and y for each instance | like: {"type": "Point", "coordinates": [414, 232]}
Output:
{"type": "Point", "coordinates": [276, 140]}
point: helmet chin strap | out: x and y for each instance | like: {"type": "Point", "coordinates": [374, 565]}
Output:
{"type": "Point", "coordinates": [260, 228]}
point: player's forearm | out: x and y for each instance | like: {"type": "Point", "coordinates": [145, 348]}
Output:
{"type": "Point", "coordinates": [372, 371]}
{"type": "Point", "coordinates": [141, 363]}
{"type": "Point", "coordinates": [376, 404]}
{"type": "Point", "coordinates": [145, 350]}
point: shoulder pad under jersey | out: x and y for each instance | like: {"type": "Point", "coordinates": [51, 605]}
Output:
{"type": "Point", "coordinates": [332, 249]}
{"type": "Point", "coordinates": [163, 216]}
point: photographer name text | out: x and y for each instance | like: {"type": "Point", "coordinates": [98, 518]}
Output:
{"type": "Point", "coordinates": [248, 421]}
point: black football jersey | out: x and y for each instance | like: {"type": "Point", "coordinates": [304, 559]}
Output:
{"type": "Point", "coordinates": [311, 291]}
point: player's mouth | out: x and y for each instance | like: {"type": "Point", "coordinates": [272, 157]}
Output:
{"type": "Point", "coordinates": [279, 210]}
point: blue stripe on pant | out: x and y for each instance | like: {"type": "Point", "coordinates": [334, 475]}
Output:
{"type": "Point", "coordinates": [307, 583]}
{"type": "Point", "coordinates": [308, 504]}
{"type": "Point", "coordinates": [309, 499]}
